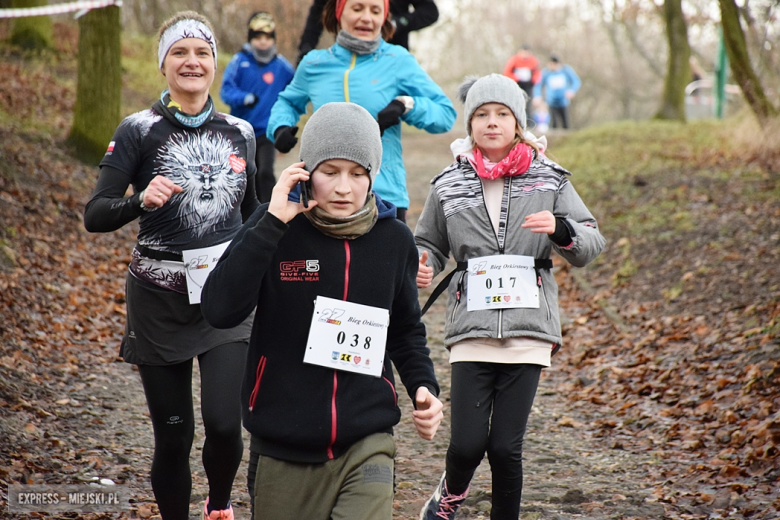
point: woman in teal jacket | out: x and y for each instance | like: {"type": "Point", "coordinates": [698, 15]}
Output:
{"type": "Point", "coordinates": [362, 68]}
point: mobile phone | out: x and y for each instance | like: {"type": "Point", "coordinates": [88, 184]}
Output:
{"type": "Point", "coordinates": [305, 192]}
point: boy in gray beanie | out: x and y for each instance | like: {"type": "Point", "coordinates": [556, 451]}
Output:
{"type": "Point", "coordinates": [319, 395]}
{"type": "Point", "coordinates": [358, 137]}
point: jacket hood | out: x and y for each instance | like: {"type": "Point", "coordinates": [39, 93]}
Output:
{"type": "Point", "coordinates": [385, 207]}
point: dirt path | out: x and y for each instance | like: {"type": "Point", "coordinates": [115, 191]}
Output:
{"type": "Point", "coordinates": [100, 427]}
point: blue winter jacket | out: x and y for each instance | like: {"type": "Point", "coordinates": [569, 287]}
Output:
{"type": "Point", "coordinates": [555, 84]}
{"type": "Point", "coordinates": [244, 75]}
{"type": "Point", "coordinates": [372, 81]}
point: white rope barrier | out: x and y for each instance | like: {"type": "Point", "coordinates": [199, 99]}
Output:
{"type": "Point", "coordinates": [46, 10]}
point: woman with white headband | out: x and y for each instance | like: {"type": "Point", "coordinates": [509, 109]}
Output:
{"type": "Point", "coordinates": [192, 170]}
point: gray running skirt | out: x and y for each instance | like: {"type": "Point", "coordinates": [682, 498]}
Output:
{"type": "Point", "coordinates": [164, 329]}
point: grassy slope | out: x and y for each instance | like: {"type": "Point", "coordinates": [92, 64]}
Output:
{"type": "Point", "coordinates": [676, 193]}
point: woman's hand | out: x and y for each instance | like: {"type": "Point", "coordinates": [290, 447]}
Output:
{"type": "Point", "coordinates": [542, 222]}
{"type": "Point", "coordinates": [424, 272]}
{"type": "Point", "coordinates": [159, 191]}
{"type": "Point", "coordinates": [284, 138]}
{"type": "Point", "coordinates": [428, 414]}
{"type": "Point", "coordinates": [390, 115]}
{"type": "Point", "coordinates": [281, 208]}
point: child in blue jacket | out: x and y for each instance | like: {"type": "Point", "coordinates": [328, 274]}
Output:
{"type": "Point", "coordinates": [252, 82]}
{"type": "Point", "coordinates": [560, 84]}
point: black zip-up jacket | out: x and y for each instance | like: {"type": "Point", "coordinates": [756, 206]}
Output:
{"type": "Point", "coordinates": [309, 413]}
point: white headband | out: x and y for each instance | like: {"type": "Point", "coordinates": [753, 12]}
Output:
{"type": "Point", "coordinates": [184, 29]}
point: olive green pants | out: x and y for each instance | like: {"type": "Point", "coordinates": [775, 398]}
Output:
{"type": "Point", "coordinates": [356, 486]}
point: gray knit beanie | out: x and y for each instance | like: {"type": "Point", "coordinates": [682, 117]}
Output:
{"type": "Point", "coordinates": [494, 88]}
{"type": "Point", "coordinates": [342, 131]}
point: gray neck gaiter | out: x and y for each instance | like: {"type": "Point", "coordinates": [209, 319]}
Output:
{"type": "Point", "coordinates": [356, 45]}
{"type": "Point", "coordinates": [264, 57]}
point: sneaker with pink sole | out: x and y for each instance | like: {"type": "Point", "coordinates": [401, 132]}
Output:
{"type": "Point", "coordinates": [217, 514]}
{"type": "Point", "coordinates": [442, 505]}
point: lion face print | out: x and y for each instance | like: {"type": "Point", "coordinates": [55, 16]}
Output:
{"type": "Point", "coordinates": [212, 176]}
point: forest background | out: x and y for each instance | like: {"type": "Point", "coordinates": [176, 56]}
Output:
{"type": "Point", "coordinates": [618, 47]}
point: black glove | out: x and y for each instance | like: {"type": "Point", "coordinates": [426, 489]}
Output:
{"type": "Point", "coordinates": [390, 115]}
{"type": "Point", "coordinates": [563, 233]}
{"type": "Point", "coordinates": [284, 138]}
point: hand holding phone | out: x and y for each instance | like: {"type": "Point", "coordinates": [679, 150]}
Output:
{"type": "Point", "coordinates": [281, 206]}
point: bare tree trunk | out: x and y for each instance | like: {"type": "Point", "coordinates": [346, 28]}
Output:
{"type": "Point", "coordinates": [33, 32]}
{"type": "Point", "coordinates": [99, 89]}
{"type": "Point", "coordinates": [678, 73]}
{"type": "Point", "coordinates": [757, 35]}
{"type": "Point", "coordinates": [736, 49]}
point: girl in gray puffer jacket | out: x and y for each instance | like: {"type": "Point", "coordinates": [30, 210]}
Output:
{"type": "Point", "coordinates": [499, 209]}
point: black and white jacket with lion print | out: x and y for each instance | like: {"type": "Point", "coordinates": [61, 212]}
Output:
{"type": "Point", "coordinates": [215, 166]}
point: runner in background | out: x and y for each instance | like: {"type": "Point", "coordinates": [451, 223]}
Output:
{"type": "Point", "coordinates": [362, 68]}
{"type": "Point", "coordinates": [500, 197]}
{"type": "Point", "coordinates": [407, 16]}
{"type": "Point", "coordinates": [541, 118]}
{"type": "Point", "coordinates": [523, 68]}
{"type": "Point", "coordinates": [559, 84]}
{"type": "Point", "coordinates": [192, 170]}
{"type": "Point", "coordinates": [250, 86]}
{"type": "Point", "coordinates": [322, 442]}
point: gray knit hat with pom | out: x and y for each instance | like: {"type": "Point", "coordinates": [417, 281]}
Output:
{"type": "Point", "coordinates": [342, 131]}
{"type": "Point", "coordinates": [494, 88]}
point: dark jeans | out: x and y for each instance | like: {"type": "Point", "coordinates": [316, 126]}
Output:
{"type": "Point", "coordinates": [400, 214]}
{"type": "Point", "coordinates": [168, 392]}
{"type": "Point", "coordinates": [559, 117]}
{"type": "Point", "coordinates": [528, 88]}
{"type": "Point", "coordinates": [491, 403]}
{"type": "Point", "coordinates": [265, 154]}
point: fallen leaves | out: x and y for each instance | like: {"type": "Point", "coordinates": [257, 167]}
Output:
{"type": "Point", "coordinates": [61, 295]}
{"type": "Point", "coordinates": [569, 422]}
{"type": "Point", "coordinates": [693, 370]}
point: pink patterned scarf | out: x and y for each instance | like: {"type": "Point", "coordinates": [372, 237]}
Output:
{"type": "Point", "coordinates": [516, 162]}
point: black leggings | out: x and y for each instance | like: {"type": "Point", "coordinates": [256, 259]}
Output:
{"type": "Point", "coordinates": [265, 153]}
{"type": "Point", "coordinates": [168, 392]}
{"type": "Point", "coordinates": [491, 403]}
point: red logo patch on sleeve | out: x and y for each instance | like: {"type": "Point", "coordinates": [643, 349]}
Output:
{"type": "Point", "coordinates": [237, 163]}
